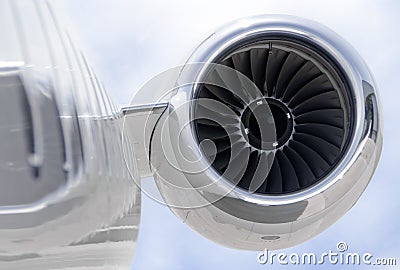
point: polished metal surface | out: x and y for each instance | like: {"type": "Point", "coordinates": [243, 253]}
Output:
{"type": "Point", "coordinates": [71, 161]}
{"type": "Point", "coordinates": [243, 220]}
{"type": "Point", "coordinates": [139, 122]}
{"type": "Point", "coordinates": [68, 199]}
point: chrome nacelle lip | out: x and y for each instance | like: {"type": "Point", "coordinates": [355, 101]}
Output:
{"type": "Point", "coordinates": [346, 57]}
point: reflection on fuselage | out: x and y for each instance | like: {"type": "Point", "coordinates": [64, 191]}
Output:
{"type": "Point", "coordinates": [68, 199]}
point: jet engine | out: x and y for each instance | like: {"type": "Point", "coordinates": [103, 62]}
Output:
{"type": "Point", "coordinates": [263, 138]}
{"type": "Point", "coordinates": [271, 133]}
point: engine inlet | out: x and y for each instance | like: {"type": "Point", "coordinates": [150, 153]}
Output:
{"type": "Point", "coordinates": [310, 110]}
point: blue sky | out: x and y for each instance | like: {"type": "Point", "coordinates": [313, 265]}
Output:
{"type": "Point", "coordinates": [128, 42]}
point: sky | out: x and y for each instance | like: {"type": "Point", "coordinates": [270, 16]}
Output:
{"type": "Point", "coordinates": [128, 42]}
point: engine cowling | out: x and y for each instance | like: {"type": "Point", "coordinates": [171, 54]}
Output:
{"type": "Point", "coordinates": [272, 133]}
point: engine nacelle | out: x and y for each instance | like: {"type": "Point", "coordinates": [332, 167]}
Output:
{"type": "Point", "coordinates": [272, 133]}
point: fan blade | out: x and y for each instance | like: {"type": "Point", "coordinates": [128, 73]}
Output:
{"type": "Point", "coordinates": [274, 181]}
{"type": "Point", "coordinates": [307, 73]}
{"type": "Point", "coordinates": [333, 117]}
{"type": "Point", "coordinates": [329, 133]}
{"type": "Point", "coordinates": [302, 168]}
{"type": "Point", "coordinates": [224, 95]}
{"type": "Point", "coordinates": [275, 63]}
{"type": "Point", "coordinates": [211, 132]}
{"type": "Point", "coordinates": [237, 166]}
{"type": "Point", "coordinates": [292, 64]}
{"type": "Point", "coordinates": [254, 161]}
{"type": "Point", "coordinates": [241, 62]}
{"type": "Point", "coordinates": [263, 168]}
{"type": "Point", "coordinates": [236, 83]}
{"type": "Point", "coordinates": [327, 151]}
{"type": "Point", "coordinates": [317, 164]}
{"type": "Point", "coordinates": [290, 180]}
{"type": "Point", "coordinates": [327, 100]}
{"type": "Point", "coordinates": [216, 116]}
{"type": "Point", "coordinates": [316, 85]}
{"type": "Point", "coordinates": [221, 161]}
{"type": "Point", "coordinates": [258, 59]}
